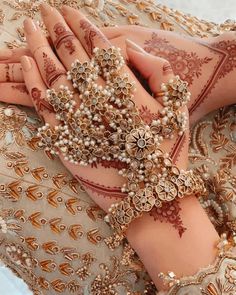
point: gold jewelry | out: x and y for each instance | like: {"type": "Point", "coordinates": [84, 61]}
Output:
{"type": "Point", "coordinates": [107, 126]}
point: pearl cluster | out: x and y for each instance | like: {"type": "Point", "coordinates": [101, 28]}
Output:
{"type": "Point", "coordinates": [107, 126]}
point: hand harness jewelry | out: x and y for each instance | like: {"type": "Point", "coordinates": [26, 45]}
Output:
{"type": "Point", "coordinates": [107, 126]}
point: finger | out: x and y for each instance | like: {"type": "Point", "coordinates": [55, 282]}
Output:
{"type": "Point", "coordinates": [37, 90]}
{"type": "Point", "coordinates": [15, 93]}
{"type": "Point", "coordinates": [155, 69]}
{"type": "Point", "coordinates": [11, 72]}
{"type": "Point", "coordinates": [67, 45]}
{"type": "Point", "coordinates": [51, 69]}
{"type": "Point", "coordinates": [90, 37]}
{"type": "Point", "coordinates": [13, 55]}
{"type": "Point", "coordinates": [112, 32]}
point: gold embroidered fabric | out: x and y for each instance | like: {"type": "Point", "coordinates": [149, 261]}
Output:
{"type": "Point", "coordinates": [217, 279]}
{"type": "Point", "coordinates": [51, 232]}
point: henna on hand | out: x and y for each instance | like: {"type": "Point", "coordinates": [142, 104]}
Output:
{"type": "Point", "coordinates": [185, 64]}
{"type": "Point", "coordinates": [52, 73]}
{"type": "Point", "coordinates": [64, 37]}
{"type": "Point", "coordinates": [226, 49]}
{"type": "Point", "coordinates": [101, 190]}
{"type": "Point", "coordinates": [41, 103]}
{"type": "Point", "coordinates": [21, 88]}
{"type": "Point", "coordinates": [90, 33]}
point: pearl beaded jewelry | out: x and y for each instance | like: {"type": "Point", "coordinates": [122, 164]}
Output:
{"type": "Point", "coordinates": [107, 126]}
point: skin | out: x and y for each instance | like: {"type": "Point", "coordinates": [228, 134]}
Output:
{"type": "Point", "coordinates": [158, 238]}
{"type": "Point", "coordinates": [205, 63]}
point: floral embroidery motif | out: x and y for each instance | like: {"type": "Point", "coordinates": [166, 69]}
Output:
{"type": "Point", "coordinates": [16, 126]}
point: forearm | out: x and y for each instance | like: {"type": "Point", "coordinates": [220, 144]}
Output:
{"type": "Point", "coordinates": [161, 249]}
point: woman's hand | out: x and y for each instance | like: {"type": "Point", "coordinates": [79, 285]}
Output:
{"type": "Point", "coordinates": [76, 41]}
{"type": "Point", "coordinates": [74, 37]}
{"type": "Point", "coordinates": [199, 61]}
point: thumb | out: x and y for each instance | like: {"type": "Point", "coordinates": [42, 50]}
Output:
{"type": "Point", "coordinates": [153, 68]}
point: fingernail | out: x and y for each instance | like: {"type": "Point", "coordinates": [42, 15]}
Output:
{"type": "Point", "coordinates": [29, 26]}
{"type": "Point", "coordinates": [66, 9]}
{"type": "Point", "coordinates": [5, 54]}
{"type": "Point", "coordinates": [26, 63]}
{"type": "Point", "coordinates": [134, 46]}
{"type": "Point", "coordinates": [46, 9]}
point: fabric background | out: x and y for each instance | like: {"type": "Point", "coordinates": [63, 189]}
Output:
{"type": "Point", "coordinates": [214, 10]}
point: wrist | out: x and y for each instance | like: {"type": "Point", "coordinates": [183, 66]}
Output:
{"type": "Point", "coordinates": [161, 249]}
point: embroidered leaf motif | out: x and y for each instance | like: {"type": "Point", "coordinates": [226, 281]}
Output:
{"type": "Point", "coordinates": [218, 141]}
{"type": "Point", "coordinates": [19, 139]}
{"type": "Point", "coordinates": [228, 161]}
{"type": "Point", "coordinates": [16, 16]}
{"type": "Point", "coordinates": [33, 143]}
{"type": "Point", "coordinates": [14, 155]}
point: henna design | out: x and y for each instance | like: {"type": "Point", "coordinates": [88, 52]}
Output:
{"type": "Point", "coordinates": [41, 103]}
{"type": "Point", "coordinates": [52, 73]}
{"type": "Point", "coordinates": [7, 68]}
{"type": "Point", "coordinates": [20, 87]}
{"type": "Point", "coordinates": [110, 164]}
{"type": "Point", "coordinates": [227, 51]}
{"type": "Point", "coordinates": [167, 69]}
{"type": "Point", "coordinates": [169, 212]}
{"type": "Point", "coordinates": [186, 65]}
{"type": "Point", "coordinates": [147, 115]}
{"type": "Point", "coordinates": [90, 32]}
{"type": "Point", "coordinates": [64, 37]}
{"type": "Point", "coordinates": [12, 72]}
{"type": "Point", "coordinates": [177, 148]}
{"type": "Point", "coordinates": [101, 190]}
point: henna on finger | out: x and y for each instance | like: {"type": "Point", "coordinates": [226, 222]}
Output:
{"type": "Point", "coordinates": [167, 69]}
{"type": "Point", "coordinates": [52, 73]}
{"type": "Point", "coordinates": [21, 88]}
{"type": "Point", "coordinates": [91, 33]}
{"type": "Point", "coordinates": [11, 72]}
{"type": "Point", "coordinates": [64, 37]}
{"type": "Point", "coordinates": [40, 103]}
{"type": "Point", "coordinates": [7, 68]}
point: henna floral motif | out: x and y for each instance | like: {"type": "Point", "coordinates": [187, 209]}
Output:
{"type": "Point", "coordinates": [147, 115]}
{"type": "Point", "coordinates": [90, 32]}
{"type": "Point", "coordinates": [41, 103]}
{"type": "Point", "coordinates": [186, 65]}
{"type": "Point", "coordinates": [226, 49]}
{"type": "Point", "coordinates": [169, 212]}
{"type": "Point", "coordinates": [101, 190]}
{"type": "Point", "coordinates": [20, 87]}
{"type": "Point", "coordinates": [64, 37]}
{"type": "Point", "coordinates": [51, 71]}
